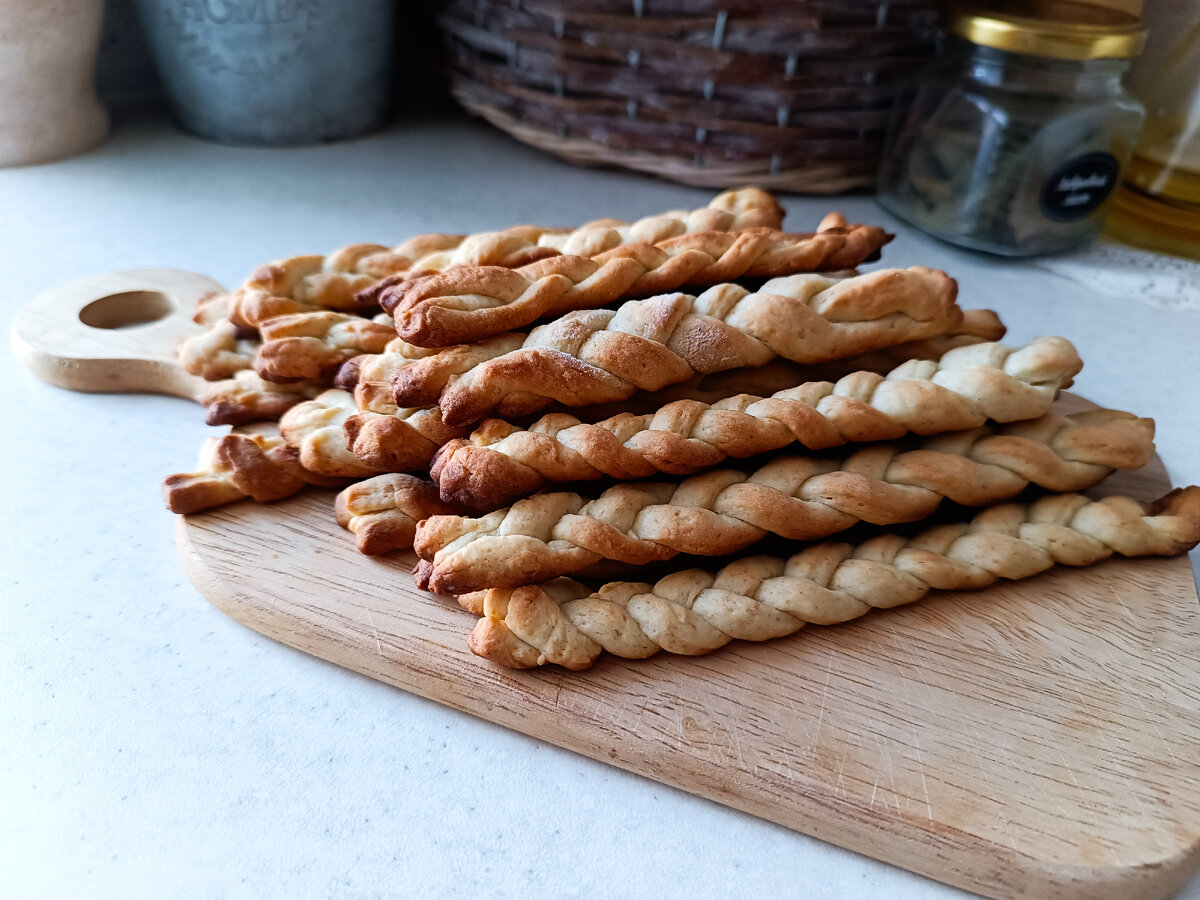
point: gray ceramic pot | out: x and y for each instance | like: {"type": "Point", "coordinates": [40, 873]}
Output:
{"type": "Point", "coordinates": [274, 71]}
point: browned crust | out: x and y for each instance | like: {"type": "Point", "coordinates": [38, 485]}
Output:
{"type": "Point", "coordinates": [382, 512]}
{"type": "Point", "coordinates": [757, 598]}
{"type": "Point", "coordinates": [429, 311]}
{"type": "Point", "coordinates": [597, 356]}
{"type": "Point", "coordinates": [499, 463]}
{"type": "Point", "coordinates": [795, 497]}
{"type": "Point", "coordinates": [241, 465]}
{"type": "Point", "coordinates": [314, 345]}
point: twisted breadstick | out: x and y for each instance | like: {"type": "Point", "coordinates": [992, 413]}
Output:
{"type": "Point", "coordinates": [965, 388]}
{"type": "Point", "coordinates": [314, 283]}
{"type": "Point", "coordinates": [261, 466]}
{"type": "Point", "coordinates": [349, 279]}
{"type": "Point", "coordinates": [344, 280]}
{"type": "Point", "coordinates": [596, 356]}
{"type": "Point", "coordinates": [382, 512]}
{"type": "Point", "coordinates": [314, 345]}
{"type": "Point", "coordinates": [247, 398]}
{"type": "Point", "coordinates": [316, 429]}
{"type": "Point", "coordinates": [410, 443]}
{"type": "Point", "coordinates": [404, 440]}
{"type": "Point", "coordinates": [978, 326]}
{"type": "Point", "coordinates": [387, 438]}
{"type": "Point", "coordinates": [796, 497]}
{"type": "Point", "coordinates": [764, 597]}
{"type": "Point", "coordinates": [220, 352]}
{"type": "Point", "coordinates": [470, 304]}
{"type": "Point", "coordinates": [424, 376]}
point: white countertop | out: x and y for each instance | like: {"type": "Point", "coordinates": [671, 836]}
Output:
{"type": "Point", "coordinates": [152, 747]}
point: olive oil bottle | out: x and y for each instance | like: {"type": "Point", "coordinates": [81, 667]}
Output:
{"type": "Point", "coordinates": [1158, 204]}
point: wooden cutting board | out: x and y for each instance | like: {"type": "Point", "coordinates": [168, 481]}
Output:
{"type": "Point", "coordinates": [1039, 738]}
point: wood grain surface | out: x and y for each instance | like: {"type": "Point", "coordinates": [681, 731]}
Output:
{"type": "Point", "coordinates": [1038, 738]}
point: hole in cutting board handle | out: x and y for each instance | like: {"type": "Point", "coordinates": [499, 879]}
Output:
{"type": "Point", "coordinates": [126, 310]}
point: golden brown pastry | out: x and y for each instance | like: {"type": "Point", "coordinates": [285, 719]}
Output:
{"type": "Point", "coordinates": [246, 397]}
{"type": "Point", "coordinates": [313, 345]}
{"type": "Point", "coordinates": [261, 466]}
{"type": "Point", "coordinates": [382, 512]}
{"type": "Point", "coordinates": [316, 428]}
{"type": "Point", "coordinates": [763, 597]}
{"type": "Point", "coordinates": [499, 462]}
{"type": "Point", "coordinates": [978, 326]}
{"type": "Point", "coordinates": [219, 352]}
{"type": "Point", "coordinates": [410, 442]}
{"type": "Point", "coordinates": [598, 356]}
{"type": "Point", "coordinates": [473, 303]}
{"type": "Point", "coordinates": [344, 279]}
{"type": "Point", "coordinates": [797, 497]}
{"type": "Point", "coordinates": [350, 279]}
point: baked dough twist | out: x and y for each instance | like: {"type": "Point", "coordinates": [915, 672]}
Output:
{"type": "Point", "coordinates": [248, 398]}
{"type": "Point", "coordinates": [403, 440]}
{"type": "Point", "coordinates": [597, 356]}
{"type": "Point", "coordinates": [978, 326]}
{"type": "Point", "coordinates": [799, 498]}
{"type": "Point", "coordinates": [316, 428]}
{"type": "Point", "coordinates": [411, 442]}
{"type": "Point", "coordinates": [345, 279]}
{"type": "Point", "coordinates": [314, 345]}
{"type": "Point", "coordinates": [473, 303]}
{"type": "Point", "coordinates": [394, 439]}
{"type": "Point", "coordinates": [499, 462]}
{"type": "Point", "coordinates": [763, 597]}
{"type": "Point", "coordinates": [383, 512]}
{"type": "Point", "coordinates": [349, 279]}
{"type": "Point", "coordinates": [219, 352]}
{"type": "Point", "coordinates": [262, 466]}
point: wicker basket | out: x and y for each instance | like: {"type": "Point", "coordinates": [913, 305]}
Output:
{"type": "Point", "coordinates": [788, 94]}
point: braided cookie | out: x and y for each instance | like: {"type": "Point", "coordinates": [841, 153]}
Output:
{"type": "Point", "coordinates": [316, 429]}
{"type": "Point", "coordinates": [390, 439]}
{"type": "Point", "coordinates": [220, 352]}
{"type": "Point", "coordinates": [978, 326]}
{"type": "Point", "coordinates": [422, 372]}
{"type": "Point", "coordinates": [314, 345]}
{"type": "Point", "coordinates": [410, 443]}
{"type": "Point", "coordinates": [799, 498]}
{"type": "Point", "coordinates": [344, 280]}
{"type": "Point", "coordinates": [262, 466]}
{"type": "Point", "coordinates": [965, 388]}
{"type": "Point", "coordinates": [597, 356]}
{"type": "Point", "coordinates": [350, 279]}
{"type": "Point", "coordinates": [470, 304]}
{"type": "Point", "coordinates": [764, 597]}
{"type": "Point", "coordinates": [404, 440]}
{"type": "Point", "coordinates": [247, 398]}
{"type": "Point", "coordinates": [382, 512]}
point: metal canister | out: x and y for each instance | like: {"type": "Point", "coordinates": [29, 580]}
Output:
{"type": "Point", "coordinates": [273, 71]}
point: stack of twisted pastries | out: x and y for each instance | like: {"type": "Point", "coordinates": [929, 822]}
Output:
{"type": "Point", "coordinates": [530, 406]}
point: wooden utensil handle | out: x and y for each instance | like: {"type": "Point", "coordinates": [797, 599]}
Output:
{"type": "Point", "coordinates": [115, 332]}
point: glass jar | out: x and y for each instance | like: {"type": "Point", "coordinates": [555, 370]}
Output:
{"type": "Point", "coordinates": [1158, 204]}
{"type": "Point", "coordinates": [1016, 141]}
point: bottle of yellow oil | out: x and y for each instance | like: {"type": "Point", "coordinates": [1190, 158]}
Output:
{"type": "Point", "coordinates": [1158, 203]}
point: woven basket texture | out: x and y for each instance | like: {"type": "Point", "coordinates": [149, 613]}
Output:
{"type": "Point", "coordinates": [792, 95]}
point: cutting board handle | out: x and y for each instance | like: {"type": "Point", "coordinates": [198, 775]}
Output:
{"type": "Point", "coordinates": [115, 332]}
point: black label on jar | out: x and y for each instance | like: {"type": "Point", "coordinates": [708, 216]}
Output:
{"type": "Point", "coordinates": [1079, 186]}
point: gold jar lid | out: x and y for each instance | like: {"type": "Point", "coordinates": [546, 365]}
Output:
{"type": "Point", "coordinates": [1053, 28]}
